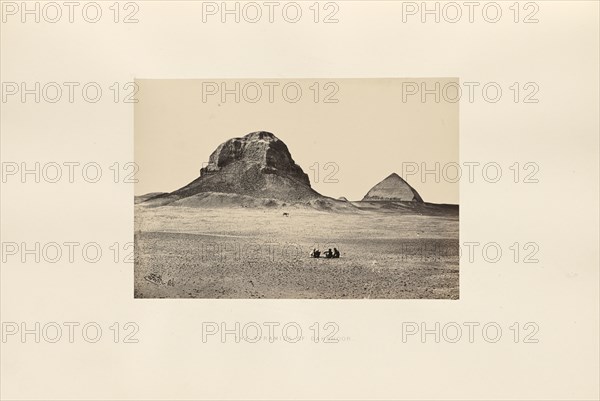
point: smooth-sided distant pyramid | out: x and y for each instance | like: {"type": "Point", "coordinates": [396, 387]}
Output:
{"type": "Point", "coordinates": [393, 189]}
{"type": "Point", "coordinates": [257, 165]}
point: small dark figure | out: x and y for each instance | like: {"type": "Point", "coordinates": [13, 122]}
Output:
{"type": "Point", "coordinates": [328, 254]}
{"type": "Point", "coordinates": [313, 253]}
{"type": "Point", "coordinates": [336, 253]}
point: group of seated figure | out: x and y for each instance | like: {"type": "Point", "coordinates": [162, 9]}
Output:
{"type": "Point", "coordinates": [315, 253]}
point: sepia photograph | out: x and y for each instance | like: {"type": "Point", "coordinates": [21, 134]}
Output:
{"type": "Point", "coordinates": [244, 195]}
{"type": "Point", "coordinates": [299, 200]}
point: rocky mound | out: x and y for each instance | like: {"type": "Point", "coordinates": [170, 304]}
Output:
{"type": "Point", "coordinates": [257, 165]}
{"type": "Point", "coordinates": [393, 189]}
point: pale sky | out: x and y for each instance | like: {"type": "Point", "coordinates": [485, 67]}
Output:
{"type": "Point", "coordinates": [368, 134]}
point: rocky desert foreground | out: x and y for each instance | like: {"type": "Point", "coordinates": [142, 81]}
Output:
{"type": "Point", "coordinates": [230, 252]}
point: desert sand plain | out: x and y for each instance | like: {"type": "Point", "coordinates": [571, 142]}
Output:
{"type": "Point", "coordinates": [238, 252]}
